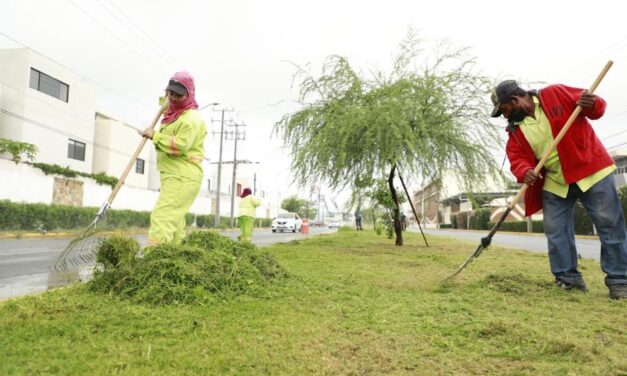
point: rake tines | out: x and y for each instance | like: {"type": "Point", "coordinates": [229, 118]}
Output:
{"type": "Point", "coordinates": [82, 249]}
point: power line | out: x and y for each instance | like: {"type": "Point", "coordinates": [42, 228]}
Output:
{"type": "Point", "coordinates": [67, 113]}
{"type": "Point", "coordinates": [615, 134]}
{"type": "Point", "coordinates": [616, 146]}
{"type": "Point", "coordinates": [145, 58]}
{"type": "Point", "coordinates": [77, 73]}
{"type": "Point", "coordinates": [63, 133]}
{"type": "Point", "coordinates": [600, 56]}
{"type": "Point", "coordinates": [124, 42]}
{"type": "Point", "coordinates": [146, 36]}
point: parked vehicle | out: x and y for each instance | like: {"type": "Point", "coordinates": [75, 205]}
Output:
{"type": "Point", "coordinates": [287, 222]}
{"type": "Point", "coordinates": [334, 225]}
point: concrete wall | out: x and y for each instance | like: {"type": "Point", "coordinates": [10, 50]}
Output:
{"type": "Point", "coordinates": [22, 183]}
{"type": "Point", "coordinates": [29, 184]}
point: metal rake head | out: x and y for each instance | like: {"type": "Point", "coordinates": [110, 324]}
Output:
{"type": "Point", "coordinates": [82, 249]}
{"type": "Point", "coordinates": [485, 243]}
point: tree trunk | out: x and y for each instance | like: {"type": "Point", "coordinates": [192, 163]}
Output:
{"type": "Point", "coordinates": [396, 210]}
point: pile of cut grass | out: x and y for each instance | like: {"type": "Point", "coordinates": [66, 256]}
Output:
{"type": "Point", "coordinates": [205, 267]}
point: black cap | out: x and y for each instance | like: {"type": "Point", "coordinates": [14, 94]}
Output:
{"type": "Point", "coordinates": [176, 87]}
{"type": "Point", "coordinates": [501, 93]}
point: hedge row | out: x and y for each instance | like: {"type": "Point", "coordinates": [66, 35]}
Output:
{"type": "Point", "coordinates": [43, 217]}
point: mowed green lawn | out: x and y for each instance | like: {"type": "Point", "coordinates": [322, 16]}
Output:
{"type": "Point", "coordinates": [355, 304]}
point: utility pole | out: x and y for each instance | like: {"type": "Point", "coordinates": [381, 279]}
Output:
{"type": "Point", "coordinates": [218, 187]}
{"type": "Point", "coordinates": [236, 135]}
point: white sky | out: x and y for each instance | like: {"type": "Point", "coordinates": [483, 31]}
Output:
{"type": "Point", "coordinates": [238, 50]}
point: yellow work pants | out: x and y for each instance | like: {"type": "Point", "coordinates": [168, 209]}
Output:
{"type": "Point", "coordinates": [167, 221]}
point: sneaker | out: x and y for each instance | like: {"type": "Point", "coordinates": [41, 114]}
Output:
{"type": "Point", "coordinates": [580, 285]}
{"type": "Point", "coordinates": [618, 292]}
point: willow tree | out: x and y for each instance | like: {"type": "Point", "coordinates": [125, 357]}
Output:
{"type": "Point", "coordinates": [430, 114]}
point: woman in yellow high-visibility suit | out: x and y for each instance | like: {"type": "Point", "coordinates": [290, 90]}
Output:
{"type": "Point", "coordinates": [247, 212]}
{"type": "Point", "coordinates": [180, 150]}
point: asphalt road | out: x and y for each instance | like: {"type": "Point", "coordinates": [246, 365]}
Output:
{"type": "Point", "coordinates": [587, 247]}
{"type": "Point", "coordinates": [25, 263]}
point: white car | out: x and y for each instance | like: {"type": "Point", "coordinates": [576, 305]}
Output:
{"type": "Point", "coordinates": [287, 222]}
{"type": "Point", "coordinates": [334, 225]}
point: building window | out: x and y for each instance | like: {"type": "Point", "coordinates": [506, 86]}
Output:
{"type": "Point", "coordinates": [209, 185]}
{"type": "Point", "coordinates": [76, 150]}
{"type": "Point", "coordinates": [239, 190]}
{"type": "Point", "coordinates": [48, 85]}
{"type": "Point", "coordinates": [139, 166]}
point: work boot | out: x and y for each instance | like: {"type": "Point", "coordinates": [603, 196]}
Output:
{"type": "Point", "coordinates": [579, 284]}
{"type": "Point", "coordinates": [618, 292]}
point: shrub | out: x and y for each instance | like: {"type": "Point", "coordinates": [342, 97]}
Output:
{"type": "Point", "coordinates": [583, 222]}
{"type": "Point", "coordinates": [622, 196]}
{"type": "Point", "coordinates": [54, 169]}
{"type": "Point", "coordinates": [18, 149]}
{"type": "Point", "coordinates": [480, 219]}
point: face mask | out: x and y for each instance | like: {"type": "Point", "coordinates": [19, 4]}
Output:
{"type": "Point", "coordinates": [516, 116]}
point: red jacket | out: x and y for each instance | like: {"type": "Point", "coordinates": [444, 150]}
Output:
{"type": "Point", "coordinates": [580, 152]}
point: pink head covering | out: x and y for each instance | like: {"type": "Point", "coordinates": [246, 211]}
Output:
{"type": "Point", "coordinates": [175, 109]}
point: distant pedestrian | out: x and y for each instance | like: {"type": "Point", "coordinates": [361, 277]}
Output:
{"type": "Point", "coordinates": [579, 169]}
{"type": "Point", "coordinates": [358, 220]}
{"type": "Point", "coordinates": [180, 150]}
{"type": "Point", "coordinates": [247, 213]}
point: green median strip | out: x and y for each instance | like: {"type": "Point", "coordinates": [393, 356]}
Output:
{"type": "Point", "coordinates": [344, 303]}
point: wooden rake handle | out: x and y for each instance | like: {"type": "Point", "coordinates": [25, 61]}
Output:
{"type": "Point", "coordinates": [130, 164]}
{"type": "Point", "coordinates": [561, 134]}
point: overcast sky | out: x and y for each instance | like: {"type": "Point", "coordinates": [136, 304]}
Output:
{"type": "Point", "coordinates": [239, 51]}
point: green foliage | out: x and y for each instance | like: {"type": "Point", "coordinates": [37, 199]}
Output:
{"type": "Point", "coordinates": [117, 251]}
{"type": "Point", "coordinates": [43, 217]}
{"type": "Point", "coordinates": [430, 114]}
{"type": "Point", "coordinates": [302, 207]}
{"type": "Point", "coordinates": [207, 240]}
{"type": "Point", "coordinates": [37, 217]}
{"type": "Point", "coordinates": [622, 196]}
{"type": "Point", "coordinates": [17, 150]}
{"type": "Point", "coordinates": [521, 226]}
{"type": "Point", "coordinates": [208, 221]}
{"type": "Point", "coordinates": [54, 169]}
{"type": "Point", "coordinates": [454, 222]}
{"type": "Point", "coordinates": [103, 179]}
{"type": "Point", "coordinates": [381, 197]}
{"type": "Point", "coordinates": [207, 266]}
{"type": "Point", "coordinates": [480, 219]}
{"type": "Point", "coordinates": [583, 222]}
{"type": "Point", "coordinates": [354, 306]}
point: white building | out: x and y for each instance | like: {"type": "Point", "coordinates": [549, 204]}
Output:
{"type": "Point", "coordinates": [53, 108]}
{"type": "Point", "coordinates": [438, 201]}
{"type": "Point", "coordinates": [620, 158]}
{"type": "Point", "coordinates": [45, 104]}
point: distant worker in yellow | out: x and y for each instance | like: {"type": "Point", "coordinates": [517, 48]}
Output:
{"type": "Point", "coordinates": [180, 150]}
{"type": "Point", "coordinates": [247, 213]}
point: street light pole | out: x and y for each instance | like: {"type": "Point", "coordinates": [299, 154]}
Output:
{"type": "Point", "coordinates": [233, 187]}
{"type": "Point", "coordinates": [217, 215]}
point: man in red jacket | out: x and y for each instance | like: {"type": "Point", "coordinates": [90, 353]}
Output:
{"type": "Point", "coordinates": [580, 169]}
